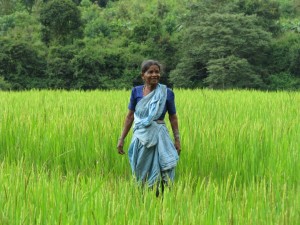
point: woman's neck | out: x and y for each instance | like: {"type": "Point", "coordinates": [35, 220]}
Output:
{"type": "Point", "coordinates": [150, 87]}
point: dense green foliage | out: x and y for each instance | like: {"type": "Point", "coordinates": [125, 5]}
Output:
{"type": "Point", "coordinates": [85, 44]}
{"type": "Point", "coordinates": [61, 22]}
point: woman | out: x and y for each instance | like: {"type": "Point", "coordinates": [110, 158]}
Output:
{"type": "Point", "coordinates": [152, 154]}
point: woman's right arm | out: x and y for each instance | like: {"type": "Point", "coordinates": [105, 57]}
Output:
{"type": "Point", "coordinates": [127, 125]}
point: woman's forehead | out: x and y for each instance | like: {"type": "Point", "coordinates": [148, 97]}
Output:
{"type": "Point", "coordinates": [153, 67]}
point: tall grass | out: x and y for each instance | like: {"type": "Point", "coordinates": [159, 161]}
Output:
{"type": "Point", "coordinates": [59, 164]}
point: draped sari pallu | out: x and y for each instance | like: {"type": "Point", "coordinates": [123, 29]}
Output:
{"type": "Point", "coordinates": [152, 154]}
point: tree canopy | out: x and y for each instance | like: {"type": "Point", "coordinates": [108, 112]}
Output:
{"type": "Point", "coordinates": [227, 48]}
{"type": "Point", "coordinates": [61, 21]}
{"type": "Point", "coordinates": [86, 44]}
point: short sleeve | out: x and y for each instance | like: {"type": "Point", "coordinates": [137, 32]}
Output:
{"type": "Point", "coordinates": [171, 102]}
{"type": "Point", "coordinates": [133, 101]}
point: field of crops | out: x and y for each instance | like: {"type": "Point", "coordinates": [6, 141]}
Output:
{"type": "Point", "coordinates": [239, 163]}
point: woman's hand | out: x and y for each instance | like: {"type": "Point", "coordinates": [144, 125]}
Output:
{"type": "Point", "coordinates": [127, 125]}
{"type": "Point", "coordinates": [177, 146]}
{"type": "Point", "coordinates": [120, 146]}
{"type": "Point", "coordinates": [174, 124]}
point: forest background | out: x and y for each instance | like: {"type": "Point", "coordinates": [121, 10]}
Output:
{"type": "Point", "coordinates": [83, 44]}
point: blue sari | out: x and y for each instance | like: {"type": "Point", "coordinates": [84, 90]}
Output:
{"type": "Point", "coordinates": [152, 154]}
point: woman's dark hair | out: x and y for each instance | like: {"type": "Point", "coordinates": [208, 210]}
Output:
{"type": "Point", "coordinates": [147, 63]}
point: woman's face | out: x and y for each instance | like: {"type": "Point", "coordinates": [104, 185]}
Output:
{"type": "Point", "coordinates": [152, 75]}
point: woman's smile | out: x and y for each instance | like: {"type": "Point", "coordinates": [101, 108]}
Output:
{"type": "Point", "coordinates": [152, 75]}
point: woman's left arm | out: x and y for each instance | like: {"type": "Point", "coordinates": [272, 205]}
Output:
{"type": "Point", "coordinates": [174, 124]}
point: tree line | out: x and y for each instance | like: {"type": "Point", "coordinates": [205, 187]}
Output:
{"type": "Point", "coordinates": [83, 44]}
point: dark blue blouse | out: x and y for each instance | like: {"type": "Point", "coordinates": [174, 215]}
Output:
{"type": "Point", "coordinates": [137, 95]}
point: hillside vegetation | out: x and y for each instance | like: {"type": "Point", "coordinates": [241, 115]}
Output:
{"type": "Point", "coordinates": [219, 44]}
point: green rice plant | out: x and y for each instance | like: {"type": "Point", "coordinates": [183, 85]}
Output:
{"type": "Point", "coordinates": [59, 162]}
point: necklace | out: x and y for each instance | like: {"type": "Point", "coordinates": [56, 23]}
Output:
{"type": "Point", "coordinates": [144, 88]}
{"type": "Point", "coordinates": [148, 89]}
{"type": "Point", "coordinates": [145, 91]}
